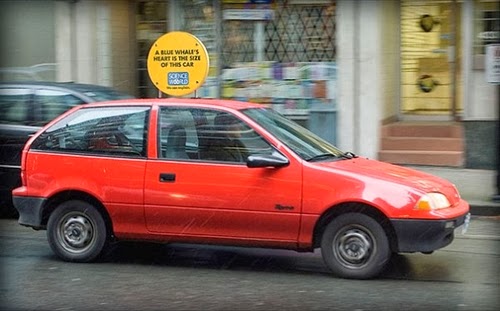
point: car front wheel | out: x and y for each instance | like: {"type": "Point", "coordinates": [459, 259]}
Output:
{"type": "Point", "coordinates": [76, 231]}
{"type": "Point", "coordinates": [355, 246]}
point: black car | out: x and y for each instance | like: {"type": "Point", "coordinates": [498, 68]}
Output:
{"type": "Point", "coordinates": [24, 108]}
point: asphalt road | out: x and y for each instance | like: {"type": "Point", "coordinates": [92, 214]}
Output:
{"type": "Point", "coordinates": [462, 276]}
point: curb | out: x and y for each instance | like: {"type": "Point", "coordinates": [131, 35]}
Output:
{"type": "Point", "coordinates": [484, 208]}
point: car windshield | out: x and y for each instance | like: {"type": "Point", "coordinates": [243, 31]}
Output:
{"type": "Point", "coordinates": [303, 142]}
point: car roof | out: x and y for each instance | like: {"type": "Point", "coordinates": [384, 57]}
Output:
{"type": "Point", "coordinates": [201, 102]}
{"type": "Point", "coordinates": [77, 87]}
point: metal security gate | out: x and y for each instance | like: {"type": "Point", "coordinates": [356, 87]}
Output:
{"type": "Point", "coordinates": [302, 33]}
{"type": "Point", "coordinates": [295, 33]}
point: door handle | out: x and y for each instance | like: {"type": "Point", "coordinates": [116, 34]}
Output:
{"type": "Point", "coordinates": [167, 177]}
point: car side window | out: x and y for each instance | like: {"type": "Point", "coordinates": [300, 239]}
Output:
{"type": "Point", "coordinates": [177, 137]}
{"type": "Point", "coordinates": [118, 131]}
{"type": "Point", "coordinates": [15, 106]}
{"type": "Point", "coordinates": [52, 103]}
{"type": "Point", "coordinates": [208, 135]}
{"type": "Point", "coordinates": [232, 140]}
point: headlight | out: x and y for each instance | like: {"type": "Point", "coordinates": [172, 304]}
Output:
{"type": "Point", "coordinates": [432, 201]}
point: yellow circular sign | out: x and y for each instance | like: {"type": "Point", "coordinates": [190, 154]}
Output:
{"type": "Point", "coordinates": [178, 63]}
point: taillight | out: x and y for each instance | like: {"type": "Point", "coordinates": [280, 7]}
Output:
{"type": "Point", "coordinates": [23, 167]}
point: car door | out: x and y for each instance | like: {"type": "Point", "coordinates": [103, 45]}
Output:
{"type": "Point", "coordinates": [97, 150]}
{"type": "Point", "coordinates": [16, 126]}
{"type": "Point", "coordinates": [202, 196]}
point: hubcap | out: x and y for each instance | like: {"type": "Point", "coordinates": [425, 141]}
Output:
{"type": "Point", "coordinates": [76, 233]}
{"type": "Point", "coordinates": [353, 246]}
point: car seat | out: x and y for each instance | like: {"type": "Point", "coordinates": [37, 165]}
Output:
{"type": "Point", "coordinates": [176, 143]}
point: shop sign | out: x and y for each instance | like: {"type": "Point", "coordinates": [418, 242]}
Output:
{"type": "Point", "coordinates": [178, 63]}
{"type": "Point", "coordinates": [248, 14]}
{"type": "Point", "coordinates": [492, 63]}
{"type": "Point", "coordinates": [489, 35]}
{"type": "Point", "coordinates": [247, 1]}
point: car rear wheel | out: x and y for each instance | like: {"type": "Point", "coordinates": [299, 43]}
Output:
{"type": "Point", "coordinates": [355, 246]}
{"type": "Point", "coordinates": [76, 231]}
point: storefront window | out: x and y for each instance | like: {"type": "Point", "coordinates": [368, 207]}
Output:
{"type": "Point", "coordinates": [281, 54]}
{"type": "Point", "coordinates": [486, 25]}
{"type": "Point", "coordinates": [151, 24]}
{"type": "Point", "coordinates": [200, 19]}
{"type": "Point", "coordinates": [274, 52]}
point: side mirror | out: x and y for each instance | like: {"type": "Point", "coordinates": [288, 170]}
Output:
{"type": "Point", "coordinates": [267, 160]}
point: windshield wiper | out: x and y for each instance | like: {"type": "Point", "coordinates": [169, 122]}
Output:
{"type": "Point", "coordinates": [322, 156]}
{"type": "Point", "coordinates": [349, 155]}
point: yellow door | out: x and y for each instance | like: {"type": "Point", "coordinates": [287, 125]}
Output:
{"type": "Point", "coordinates": [430, 58]}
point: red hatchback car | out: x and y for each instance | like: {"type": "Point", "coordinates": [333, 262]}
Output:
{"type": "Point", "coordinates": [224, 172]}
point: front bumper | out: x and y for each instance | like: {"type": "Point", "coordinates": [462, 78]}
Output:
{"type": "Point", "coordinates": [30, 211]}
{"type": "Point", "coordinates": [416, 235]}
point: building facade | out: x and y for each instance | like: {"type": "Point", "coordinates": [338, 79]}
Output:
{"type": "Point", "coordinates": [342, 68]}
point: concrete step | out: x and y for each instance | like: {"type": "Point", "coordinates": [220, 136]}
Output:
{"type": "Point", "coordinates": [421, 157]}
{"type": "Point", "coordinates": [422, 143]}
{"type": "Point", "coordinates": [422, 129]}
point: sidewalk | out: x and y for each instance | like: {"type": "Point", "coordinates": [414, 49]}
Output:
{"type": "Point", "coordinates": [475, 186]}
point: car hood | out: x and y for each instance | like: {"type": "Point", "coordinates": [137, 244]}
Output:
{"type": "Point", "coordinates": [422, 182]}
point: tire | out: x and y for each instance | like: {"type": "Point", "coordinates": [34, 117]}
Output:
{"type": "Point", "coordinates": [76, 231]}
{"type": "Point", "coordinates": [355, 246]}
